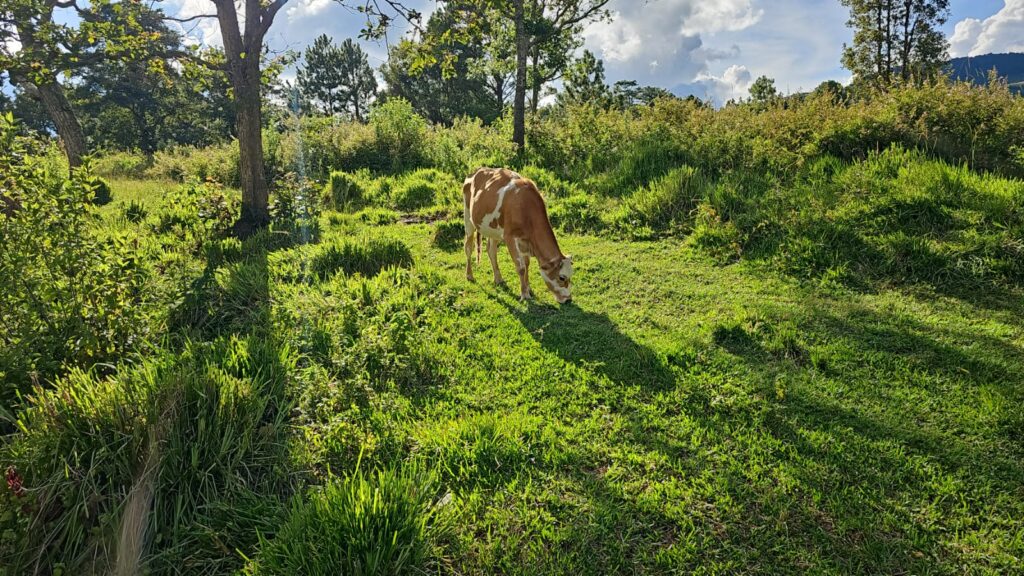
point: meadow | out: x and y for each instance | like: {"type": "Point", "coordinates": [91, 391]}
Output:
{"type": "Point", "coordinates": [795, 346]}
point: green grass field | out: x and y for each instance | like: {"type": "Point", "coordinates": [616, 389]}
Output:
{"type": "Point", "coordinates": [680, 416]}
{"type": "Point", "coordinates": [683, 416]}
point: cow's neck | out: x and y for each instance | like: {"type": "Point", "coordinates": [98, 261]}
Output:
{"type": "Point", "coordinates": [545, 247]}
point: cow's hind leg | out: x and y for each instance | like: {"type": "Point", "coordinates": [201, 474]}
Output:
{"type": "Point", "coordinates": [492, 253]}
{"type": "Point", "coordinates": [471, 233]}
{"type": "Point", "coordinates": [470, 243]}
{"type": "Point", "coordinates": [522, 262]}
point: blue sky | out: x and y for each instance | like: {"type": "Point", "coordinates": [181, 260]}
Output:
{"type": "Point", "coordinates": [711, 48]}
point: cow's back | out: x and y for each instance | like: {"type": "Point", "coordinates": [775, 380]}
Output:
{"type": "Point", "coordinates": [497, 200]}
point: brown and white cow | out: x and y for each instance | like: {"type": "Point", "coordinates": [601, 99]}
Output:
{"type": "Point", "coordinates": [502, 206]}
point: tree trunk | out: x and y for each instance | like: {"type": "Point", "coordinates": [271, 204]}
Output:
{"type": "Point", "coordinates": [249, 123]}
{"type": "Point", "coordinates": [536, 84]}
{"type": "Point", "coordinates": [879, 65]}
{"type": "Point", "coordinates": [519, 102]}
{"type": "Point", "coordinates": [70, 131]}
{"type": "Point", "coordinates": [908, 39]}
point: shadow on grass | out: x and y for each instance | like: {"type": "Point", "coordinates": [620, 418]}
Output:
{"type": "Point", "coordinates": [591, 340]}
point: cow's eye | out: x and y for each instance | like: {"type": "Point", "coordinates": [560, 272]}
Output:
{"type": "Point", "coordinates": [562, 278]}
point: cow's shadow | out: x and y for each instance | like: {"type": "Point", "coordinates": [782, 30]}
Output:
{"type": "Point", "coordinates": [591, 340]}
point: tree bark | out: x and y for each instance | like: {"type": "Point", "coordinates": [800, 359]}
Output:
{"type": "Point", "coordinates": [519, 101]}
{"type": "Point", "coordinates": [68, 128]}
{"type": "Point", "coordinates": [537, 81]}
{"type": "Point", "coordinates": [249, 123]}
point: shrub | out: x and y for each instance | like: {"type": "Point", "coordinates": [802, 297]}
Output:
{"type": "Point", "coordinates": [400, 134]}
{"type": "Point", "coordinates": [121, 164]}
{"type": "Point", "coordinates": [385, 522]}
{"type": "Point", "coordinates": [367, 257]}
{"type": "Point", "coordinates": [468, 145]}
{"type": "Point", "coordinates": [71, 297]}
{"type": "Point", "coordinates": [134, 212]}
{"type": "Point", "coordinates": [218, 163]}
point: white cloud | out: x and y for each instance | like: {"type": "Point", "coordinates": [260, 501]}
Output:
{"type": "Point", "coordinates": [661, 42]}
{"type": "Point", "coordinates": [1001, 32]}
{"type": "Point", "coordinates": [711, 17]}
{"type": "Point", "coordinates": [306, 8]}
{"type": "Point", "coordinates": [734, 83]}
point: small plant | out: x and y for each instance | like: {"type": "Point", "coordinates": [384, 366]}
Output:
{"type": "Point", "coordinates": [134, 212]}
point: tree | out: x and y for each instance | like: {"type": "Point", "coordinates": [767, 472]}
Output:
{"type": "Point", "coordinates": [763, 91]}
{"type": "Point", "coordinates": [358, 84]}
{"type": "Point", "coordinates": [243, 47]}
{"type": "Point", "coordinates": [319, 77]}
{"type": "Point", "coordinates": [628, 94]}
{"type": "Point", "coordinates": [446, 74]}
{"type": "Point", "coordinates": [37, 49]}
{"type": "Point", "coordinates": [137, 104]}
{"type": "Point", "coordinates": [832, 89]}
{"type": "Point", "coordinates": [538, 24]}
{"type": "Point", "coordinates": [584, 82]}
{"type": "Point", "coordinates": [896, 39]}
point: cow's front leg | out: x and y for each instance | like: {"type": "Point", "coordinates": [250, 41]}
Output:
{"type": "Point", "coordinates": [492, 253]}
{"type": "Point", "coordinates": [522, 262]}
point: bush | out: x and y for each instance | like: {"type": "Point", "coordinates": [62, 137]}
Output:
{"type": "Point", "coordinates": [468, 145]}
{"type": "Point", "coordinates": [367, 257]}
{"type": "Point", "coordinates": [400, 134]}
{"type": "Point", "coordinates": [121, 164]}
{"type": "Point", "coordinates": [385, 522]}
{"type": "Point", "coordinates": [71, 297]}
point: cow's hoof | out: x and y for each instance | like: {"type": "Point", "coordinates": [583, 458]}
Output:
{"type": "Point", "coordinates": [500, 283]}
{"type": "Point", "coordinates": [470, 278]}
{"type": "Point", "coordinates": [525, 297]}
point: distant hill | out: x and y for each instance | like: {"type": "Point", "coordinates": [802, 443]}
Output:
{"type": "Point", "coordinates": [976, 68]}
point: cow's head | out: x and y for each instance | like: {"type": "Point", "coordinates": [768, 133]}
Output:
{"type": "Point", "coordinates": [558, 276]}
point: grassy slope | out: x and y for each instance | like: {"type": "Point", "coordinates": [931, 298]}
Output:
{"type": "Point", "coordinates": [683, 416]}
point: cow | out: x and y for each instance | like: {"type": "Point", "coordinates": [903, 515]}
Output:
{"type": "Point", "coordinates": [502, 206]}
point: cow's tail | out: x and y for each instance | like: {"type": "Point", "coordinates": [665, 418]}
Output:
{"type": "Point", "coordinates": [471, 232]}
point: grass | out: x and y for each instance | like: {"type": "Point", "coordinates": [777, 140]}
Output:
{"type": "Point", "coordinates": [681, 416]}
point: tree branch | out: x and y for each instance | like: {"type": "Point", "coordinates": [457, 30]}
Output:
{"type": "Point", "coordinates": [189, 19]}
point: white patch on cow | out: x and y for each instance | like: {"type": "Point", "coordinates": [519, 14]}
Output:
{"type": "Point", "coordinates": [487, 226]}
{"type": "Point", "coordinates": [561, 293]}
{"type": "Point", "coordinates": [521, 255]}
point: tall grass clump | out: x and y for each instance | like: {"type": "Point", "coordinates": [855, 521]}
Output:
{"type": "Point", "coordinates": [389, 521]}
{"type": "Point", "coordinates": [667, 203]}
{"type": "Point", "coordinates": [365, 256]}
{"type": "Point", "coordinates": [167, 467]}
{"type": "Point", "coordinates": [342, 191]}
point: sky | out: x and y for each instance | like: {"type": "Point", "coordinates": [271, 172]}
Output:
{"type": "Point", "coordinates": [709, 48]}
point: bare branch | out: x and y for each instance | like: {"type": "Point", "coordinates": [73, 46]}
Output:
{"type": "Point", "coordinates": [190, 18]}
